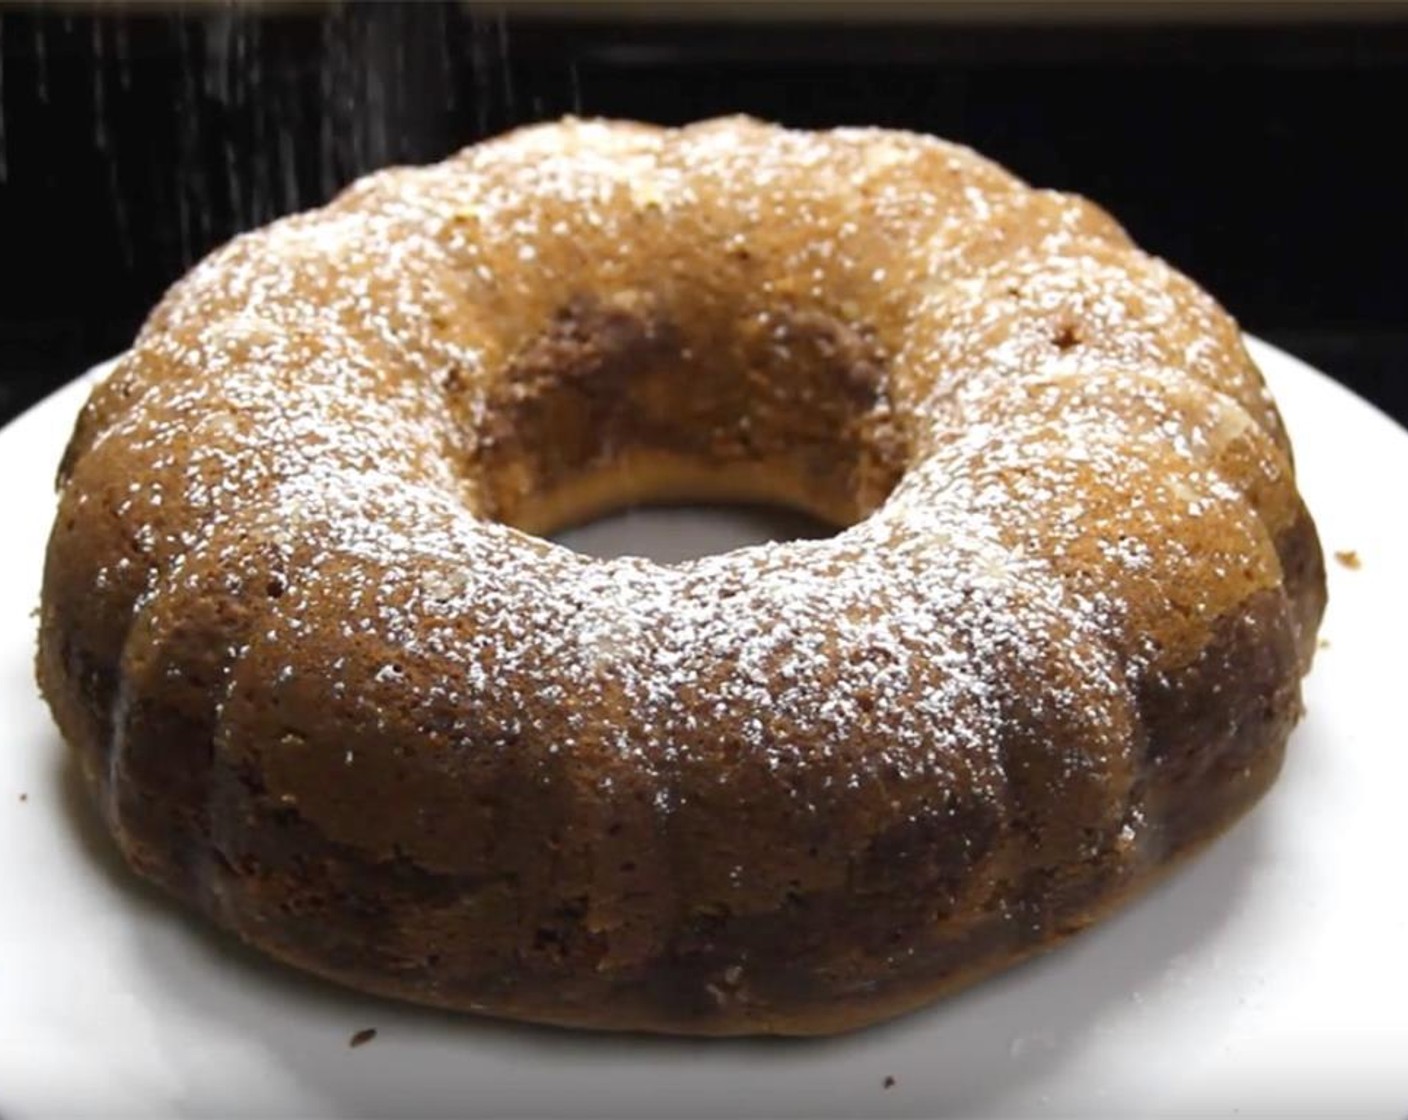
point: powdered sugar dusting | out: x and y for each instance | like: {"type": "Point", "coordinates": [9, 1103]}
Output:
{"type": "Point", "coordinates": [302, 415]}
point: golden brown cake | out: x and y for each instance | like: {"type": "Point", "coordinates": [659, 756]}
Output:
{"type": "Point", "coordinates": [328, 688]}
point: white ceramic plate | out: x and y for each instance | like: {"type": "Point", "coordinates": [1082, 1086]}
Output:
{"type": "Point", "coordinates": [1270, 977]}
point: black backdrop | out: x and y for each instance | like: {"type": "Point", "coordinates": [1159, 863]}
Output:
{"type": "Point", "coordinates": [1262, 159]}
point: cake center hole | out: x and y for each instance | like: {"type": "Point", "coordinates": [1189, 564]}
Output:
{"type": "Point", "coordinates": [627, 403]}
{"type": "Point", "coordinates": [671, 534]}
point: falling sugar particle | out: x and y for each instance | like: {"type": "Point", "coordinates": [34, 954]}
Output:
{"type": "Point", "coordinates": [443, 57]}
{"type": "Point", "coordinates": [261, 206]}
{"type": "Point", "coordinates": [479, 64]}
{"type": "Point", "coordinates": [574, 77]}
{"type": "Point", "coordinates": [98, 76]}
{"type": "Point", "coordinates": [41, 63]}
{"type": "Point", "coordinates": [288, 165]}
{"type": "Point", "coordinates": [124, 56]}
{"type": "Point", "coordinates": [4, 167]}
{"type": "Point", "coordinates": [327, 166]}
{"type": "Point", "coordinates": [219, 28]}
{"type": "Point", "coordinates": [506, 71]}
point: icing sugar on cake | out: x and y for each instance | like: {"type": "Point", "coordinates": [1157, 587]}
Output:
{"type": "Point", "coordinates": [328, 692]}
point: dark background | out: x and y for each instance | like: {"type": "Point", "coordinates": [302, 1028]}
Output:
{"type": "Point", "coordinates": [1261, 155]}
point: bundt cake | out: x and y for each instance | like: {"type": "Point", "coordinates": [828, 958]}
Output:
{"type": "Point", "coordinates": [329, 687]}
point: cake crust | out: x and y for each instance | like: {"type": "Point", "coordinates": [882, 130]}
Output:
{"type": "Point", "coordinates": [328, 688]}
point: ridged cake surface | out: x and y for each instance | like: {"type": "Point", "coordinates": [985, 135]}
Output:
{"type": "Point", "coordinates": [328, 688]}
